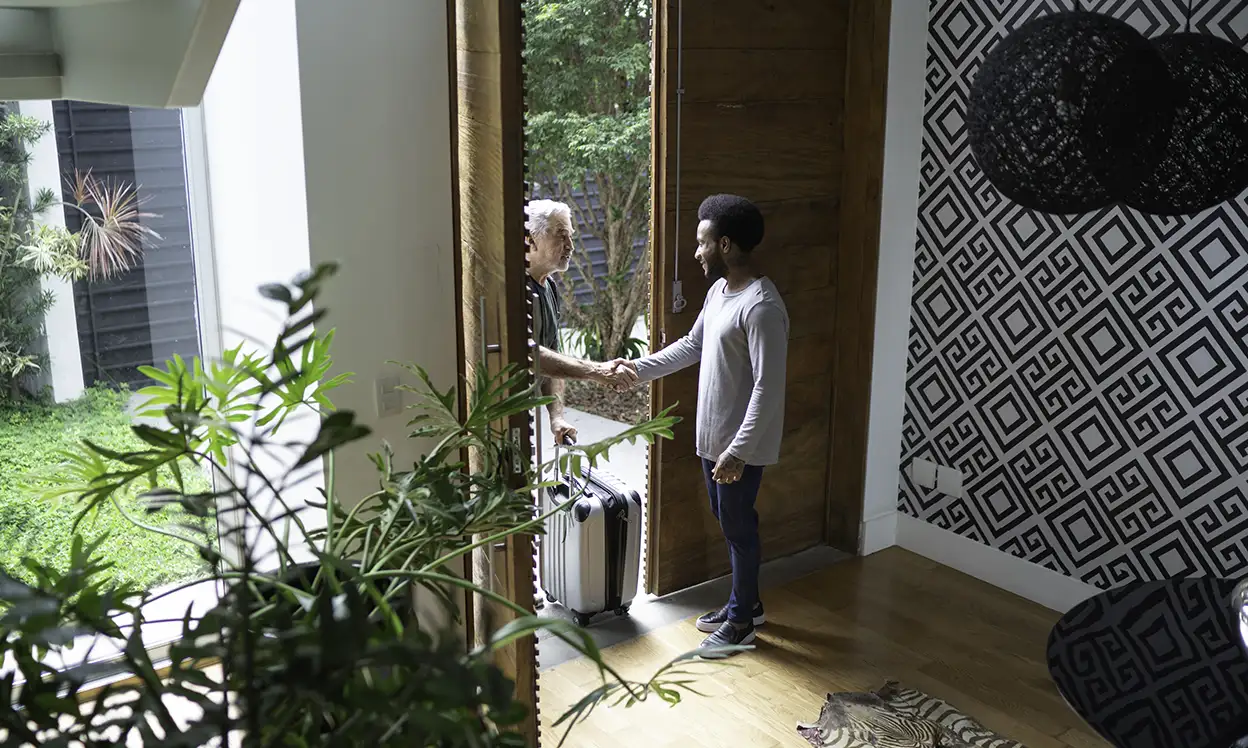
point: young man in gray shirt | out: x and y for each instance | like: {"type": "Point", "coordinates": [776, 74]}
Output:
{"type": "Point", "coordinates": [740, 340]}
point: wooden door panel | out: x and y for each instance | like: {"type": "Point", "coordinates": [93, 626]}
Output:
{"type": "Point", "coordinates": [778, 75]}
{"type": "Point", "coordinates": [766, 113]}
{"type": "Point", "coordinates": [753, 24]}
{"type": "Point", "coordinates": [490, 160]}
{"type": "Point", "coordinates": [780, 147]}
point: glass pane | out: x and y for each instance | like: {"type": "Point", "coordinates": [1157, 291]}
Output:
{"type": "Point", "coordinates": [131, 312]}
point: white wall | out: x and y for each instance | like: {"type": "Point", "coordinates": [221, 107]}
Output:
{"type": "Point", "coordinates": [377, 156]}
{"type": "Point", "coordinates": [63, 372]}
{"type": "Point", "coordinates": [328, 140]}
{"type": "Point", "coordinates": [252, 128]}
{"type": "Point", "coordinates": [903, 141]}
{"type": "Point", "coordinates": [377, 142]}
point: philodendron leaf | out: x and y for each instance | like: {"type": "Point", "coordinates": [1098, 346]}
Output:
{"type": "Point", "coordinates": [277, 292]}
{"type": "Point", "coordinates": [337, 429]}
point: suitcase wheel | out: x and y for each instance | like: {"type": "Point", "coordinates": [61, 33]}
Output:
{"type": "Point", "coordinates": [622, 610]}
{"type": "Point", "coordinates": [581, 619]}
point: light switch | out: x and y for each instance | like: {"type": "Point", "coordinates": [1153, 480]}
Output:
{"type": "Point", "coordinates": [389, 397]}
{"type": "Point", "coordinates": [949, 481]}
{"type": "Point", "coordinates": [923, 473]}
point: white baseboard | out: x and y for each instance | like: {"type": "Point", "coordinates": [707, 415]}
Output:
{"type": "Point", "coordinates": [878, 532]}
{"type": "Point", "coordinates": [1031, 581]}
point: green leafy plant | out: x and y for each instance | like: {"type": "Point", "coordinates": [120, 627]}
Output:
{"type": "Point", "coordinates": [110, 241]}
{"type": "Point", "coordinates": [588, 131]}
{"type": "Point", "coordinates": [590, 340]}
{"type": "Point", "coordinates": [34, 437]}
{"type": "Point", "coordinates": [317, 635]}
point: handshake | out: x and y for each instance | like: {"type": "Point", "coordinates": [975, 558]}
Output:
{"type": "Point", "coordinates": [619, 374]}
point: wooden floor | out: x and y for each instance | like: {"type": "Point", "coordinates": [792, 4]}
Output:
{"type": "Point", "coordinates": [851, 627]}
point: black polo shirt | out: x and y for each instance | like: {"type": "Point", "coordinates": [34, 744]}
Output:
{"type": "Point", "coordinates": [547, 312]}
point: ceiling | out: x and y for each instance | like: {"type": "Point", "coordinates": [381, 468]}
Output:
{"type": "Point", "coordinates": [53, 3]}
{"type": "Point", "coordinates": [155, 53]}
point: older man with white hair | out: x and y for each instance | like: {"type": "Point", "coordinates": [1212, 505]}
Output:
{"type": "Point", "coordinates": [548, 241]}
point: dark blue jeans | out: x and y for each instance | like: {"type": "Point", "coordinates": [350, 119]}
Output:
{"type": "Point", "coordinates": [733, 506]}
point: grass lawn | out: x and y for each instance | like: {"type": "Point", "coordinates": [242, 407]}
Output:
{"type": "Point", "coordinates": [31, 438]}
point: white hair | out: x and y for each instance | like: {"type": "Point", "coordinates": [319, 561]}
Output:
{"type": "Point", "coordinates": [541, 211]}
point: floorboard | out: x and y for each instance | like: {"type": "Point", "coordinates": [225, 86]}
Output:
{"type": "Point", "coordinates": [849, 627]}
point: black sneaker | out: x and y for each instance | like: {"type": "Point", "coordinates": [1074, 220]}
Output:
{"type": "Point", "coordinates": [710, 623]}
{"type": "Point", "coordinates": [728, 635]}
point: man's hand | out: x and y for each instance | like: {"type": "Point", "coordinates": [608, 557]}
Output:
{"type": "Point", "coordinates": [563, 431]}
{"type": "Point", "coordinates": [620, 374]}
{"type": "Point", "coordinates": [728, 469]}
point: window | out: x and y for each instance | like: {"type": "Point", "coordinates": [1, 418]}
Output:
{"type": "Point", "coordinates": [153, 307]}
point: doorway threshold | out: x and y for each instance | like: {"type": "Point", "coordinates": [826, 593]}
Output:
{"type": "Point", "coordinates": [649, 613]}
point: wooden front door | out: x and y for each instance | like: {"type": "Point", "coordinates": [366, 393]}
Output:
{"type": "Point", "coordinates": [766, 106]}
{"type": "Point", "coordinates": [488, 42]}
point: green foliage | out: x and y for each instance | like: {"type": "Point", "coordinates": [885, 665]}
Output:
{"type": "Point", "coordinates": [589, 339]}
{"type": "Point", "coordinates": [110, 242]}
{"type": "Point", "coordinates": [22, 305]}
{"type": "Point", "coordinates": [34, 436]}
{"type": "Point", "coordinates": [313, 653]}
{"type": "Point", "coordinates": [587, 64]}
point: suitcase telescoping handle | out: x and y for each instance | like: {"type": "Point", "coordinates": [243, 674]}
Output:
{"type": "Point", "coordinates": [567, 441]}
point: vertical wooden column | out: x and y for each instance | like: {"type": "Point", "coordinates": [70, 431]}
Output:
{"type": "Point", "coordinates": [489, 38]}
{"type": "Point", "coordinates": [866, 98]}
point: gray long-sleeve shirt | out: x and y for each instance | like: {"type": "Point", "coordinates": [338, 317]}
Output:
{"type": "Point", "coordinates": [741, 341]}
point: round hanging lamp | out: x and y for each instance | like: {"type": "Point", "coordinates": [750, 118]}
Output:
{"type": "Point", "coordinates": [1205, 160]}
{"type": "Point", "coordinates": [1068, 113]}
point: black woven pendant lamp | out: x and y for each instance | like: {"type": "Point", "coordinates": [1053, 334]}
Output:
{"type": "Point", "coordinates": [1070, 112]}
{"type": "Point", "coordinates": [1205, 161]}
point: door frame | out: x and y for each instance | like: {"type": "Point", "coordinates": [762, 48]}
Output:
{"type": "Point", "coordinates": [493, 316]}
{"type": "Point", "coordinates": [660, 262]}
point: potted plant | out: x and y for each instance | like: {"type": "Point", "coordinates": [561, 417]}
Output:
{"type": "Point", "coordinates": [315, 634]}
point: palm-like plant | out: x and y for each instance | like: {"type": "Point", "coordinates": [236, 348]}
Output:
{"type": "Point", "coordinates": [317, 634]}
{"type": "Point", "coordinates": [114, 233]}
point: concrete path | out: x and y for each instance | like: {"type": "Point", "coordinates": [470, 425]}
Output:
{"type": "Point", "coordinates": [628, 462]}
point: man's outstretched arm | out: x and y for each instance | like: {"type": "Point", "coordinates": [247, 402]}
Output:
{"type": "Point", "coordinates": [556, 365]}
{"type": "Point", "coordinates": [682, 354]}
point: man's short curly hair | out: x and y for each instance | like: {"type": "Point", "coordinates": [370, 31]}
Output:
{"type": "Point", "coordinates": [734, 217]}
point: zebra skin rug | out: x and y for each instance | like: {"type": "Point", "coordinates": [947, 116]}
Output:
{"type": "Point", "coordinates": [894, 717]}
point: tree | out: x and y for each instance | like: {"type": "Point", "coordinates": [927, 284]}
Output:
{"type": "Point", "coordinates": [587, 66]}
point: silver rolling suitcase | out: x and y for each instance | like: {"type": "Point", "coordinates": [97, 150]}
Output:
{"type": "Point", "coordinates": [590, 556]}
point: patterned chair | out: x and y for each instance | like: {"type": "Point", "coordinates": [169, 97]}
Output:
{"type": "Point", "coordinates": [1158, 664]}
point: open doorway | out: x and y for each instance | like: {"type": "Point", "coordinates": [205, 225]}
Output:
{"type": "Point", "coordinates": [588, 137]}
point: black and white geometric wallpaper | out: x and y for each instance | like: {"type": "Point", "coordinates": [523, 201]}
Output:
{"type": "Point", "coordinates": [1088, 374]}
